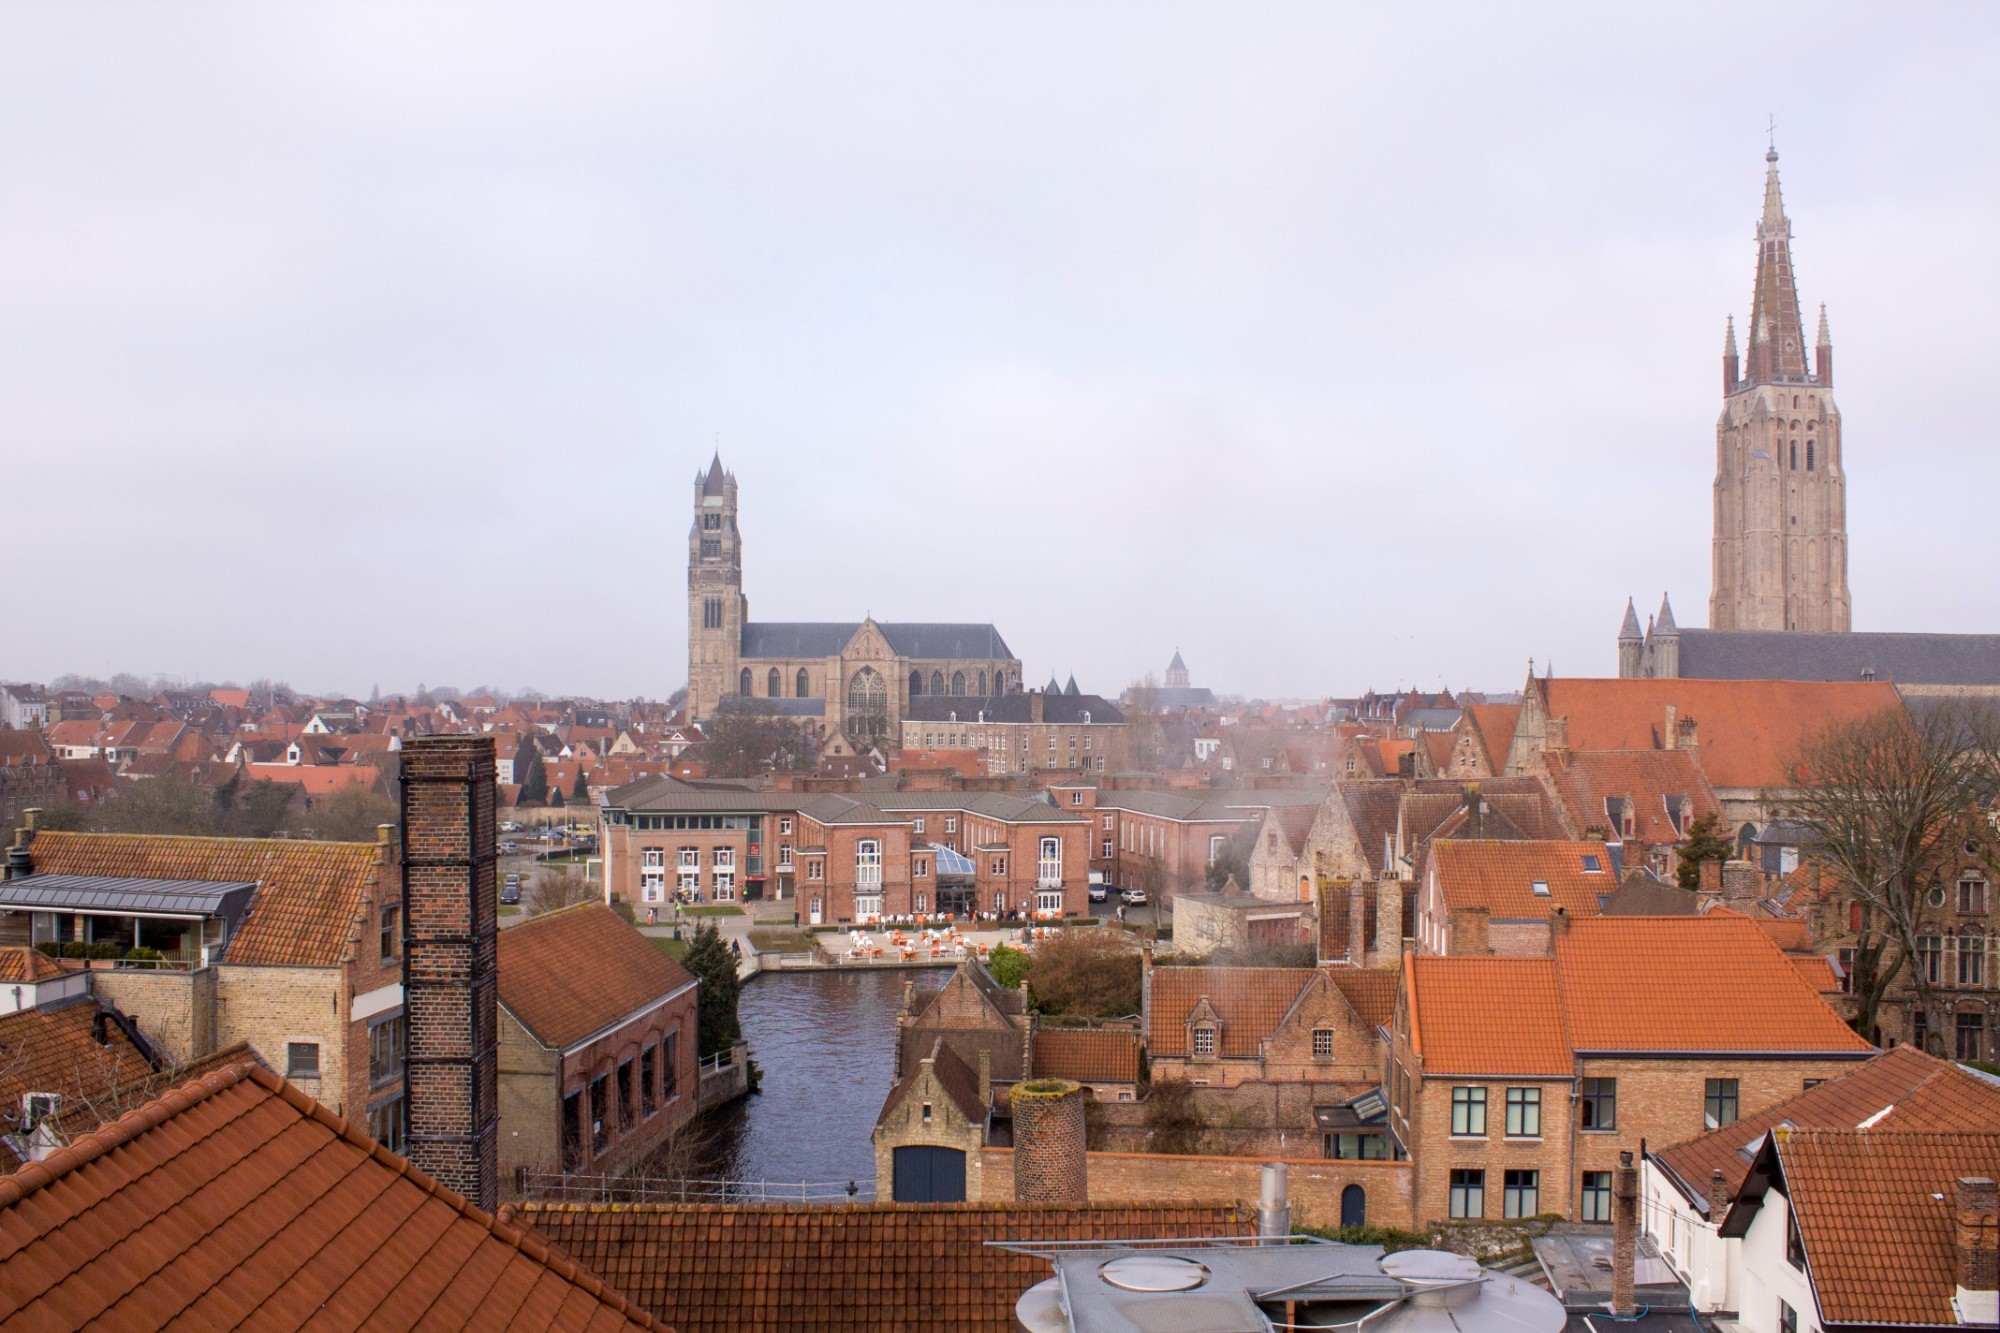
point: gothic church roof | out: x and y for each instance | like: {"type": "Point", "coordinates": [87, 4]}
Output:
{"type": "Point", "coordinates": [805, 638]}
{"type": "Point", "coordinates": [1907, 659]}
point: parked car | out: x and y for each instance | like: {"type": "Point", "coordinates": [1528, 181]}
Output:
{"type": "Point", "coordinates": [510, 892]}
{"type": "Point", "coordinates": [1133, 897]}
{"type": "Point", "coordinates": [511, 826]}
{"type": "Point", "coordinates": [1098, 893]}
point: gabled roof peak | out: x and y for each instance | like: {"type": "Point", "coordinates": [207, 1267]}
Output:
{"type": "Point", "coordinates": [713, 482]}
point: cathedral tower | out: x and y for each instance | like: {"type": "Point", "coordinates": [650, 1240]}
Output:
{"type": "Point", "coordinates": [717, 607]}
{"type": "Point", "coordinates": [1780, 488]}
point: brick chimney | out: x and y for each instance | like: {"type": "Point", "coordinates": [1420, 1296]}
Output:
{"type": "Point", "coordinates": [1558, 927]}
{"type": "Point", "coordinates": [1624, 1237]}
{"type": "Point", "coordinates": [1739, 882]}
{"type": "Point", "coordinates": [1976, 1238]}
{"type": "Point", "coordinates": [1670, 733]}
{"type": "Point", "coordinates": [1711, 878]}
{"type": "Point", "coordinates": [1685, 736]}
{"type": "Point", "coordinates": [1555, 736]}
{"type": "Point", "coordinates": [1357, 924]}
{"type": "Point", "coordinates": [450, 978]}
{"type": "Point", "coordinates": [1718, 1195]}
{"type": "Point", "coordinates": [1049, 1161]}
{"type": "Point", "coordinates": [1471, 934]}
{"type": "Point", "coordinates": [1388, 922]}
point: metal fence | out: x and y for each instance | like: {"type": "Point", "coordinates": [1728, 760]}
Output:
{"type": "Point", "coordinates": [555, 1187]}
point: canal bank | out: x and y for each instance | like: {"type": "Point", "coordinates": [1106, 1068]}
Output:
{"type": "Point", "coordinates": [824, 1042]}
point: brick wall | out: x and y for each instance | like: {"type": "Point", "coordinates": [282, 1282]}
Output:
{"type": "Point", "coordinates": [275, 1007]}
{"type": "Point", "coordinates": [530, 1105]}
{"type": "Point", "coordinates": [176, 1010]}
{"type": "Point", "coordinates": [1315, 1186]}
{"type": "Point", "coordinates": [451, 906]}
{"type": "Point", "coordinates": [1049, 1159]}
{"type": "Point", "coordinates": [904, 1124]}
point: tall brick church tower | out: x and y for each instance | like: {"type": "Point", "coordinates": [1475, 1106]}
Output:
{"type": "Point", "coordinates": [717, 608]}
{"type": "Point", "coordinates": [1780, 489]}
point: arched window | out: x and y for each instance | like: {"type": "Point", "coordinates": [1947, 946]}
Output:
{"type": "Point", "coordinates": [1746, 837]}
{"type": "Point", "coordinates": [867, 707]}
{"type": "Point", "coordinates": [1809, 455]}
{"type": "Point", "coordinates": [916, 683]}
{"type": "Point", "coordinates": [937, 682]}
{"type": "Point", "coordinates": [773, 684]}
{"type": "Point", "coordinates": [982, 684]}
{"type": "Point", "coordinates": [743, 683]}
{"type": "Point", "coordinates": [1795, 455]}
{"type": "Point", "coordinates": [999, 682]}
{"type": "Point", "coordinates": [958, 682]}
{"type": "Point", "coordinates": [805, 686]}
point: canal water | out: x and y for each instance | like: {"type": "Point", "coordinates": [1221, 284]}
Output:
{"type": "Point", "coordinates": [825, 1041]}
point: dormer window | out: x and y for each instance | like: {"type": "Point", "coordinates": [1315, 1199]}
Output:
{"type": "Point", "coordinates": [1592, 865]}
{"type": "Point", "coordinates": [1204, 1042]}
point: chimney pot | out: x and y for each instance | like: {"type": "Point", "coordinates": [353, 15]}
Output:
{"type": "Point", "coordinates": [1718, 1196]}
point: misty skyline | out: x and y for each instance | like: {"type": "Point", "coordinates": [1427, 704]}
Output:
{"type": "Point", "coordinates": [1338, 348]}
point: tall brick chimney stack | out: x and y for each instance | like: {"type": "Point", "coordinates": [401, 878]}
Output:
{"type": "Point", "coordinates": [1388, 922]}
{"type": "Point", "coordinates": [450, 978]}
{"type": "Point", "coordinates": [1718, 1196]}
{"type": "Point", "coordinates": [1624, 1237]}
{"type": "Point", "coordinates": [1471, 932]}
{"type": "Point", "coordinates": [1357, 924]}
{"type": "Point", "coordinates": [1049, 1161]}
{"type": "Point", "coordinates": [1976, 1237]}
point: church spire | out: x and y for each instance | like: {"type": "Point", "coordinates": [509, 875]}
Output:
{"type": "Point", "coordinates": [1775, 306]}
{"type": "Point", "coordinates": [1731, 368]}
{"type": "Point", "coordinates": [1823, 352]}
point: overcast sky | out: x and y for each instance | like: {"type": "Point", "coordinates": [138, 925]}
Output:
{"type": "Point", "coordinates": [1340, 346]}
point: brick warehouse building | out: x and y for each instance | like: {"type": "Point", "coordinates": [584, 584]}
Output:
{"type": "Point", "coordinates": [857, 678]}
{"type": "Point", "coordinates": [711, 843]}
{"type": "Point", "coordinates": [899, 854]}
{"type": "Point", "coordinates": [1515, 1082]}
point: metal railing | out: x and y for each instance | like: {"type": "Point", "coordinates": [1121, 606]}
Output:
{"type": "Point", "coordinates": [720, 1060]}
{"type": "Point", "coordinates": [556, 1187]}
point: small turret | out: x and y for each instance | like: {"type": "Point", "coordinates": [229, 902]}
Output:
{"type": "Point", "coordinates": [1666, 642]}
{"type": "Point", "coordinates": [1631, 644]}
{"type": "Point", "coordinates": [1823, 352]}
{"type": "Point", "coordinates": [1731, 368]}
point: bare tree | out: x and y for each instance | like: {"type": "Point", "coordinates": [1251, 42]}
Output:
{"type": "Point", "coordinates": [1890, 800]}
{"type": "Point", "coordinates": [1142, 724]}
{"type": "Point", "coordinates": [555, 889]}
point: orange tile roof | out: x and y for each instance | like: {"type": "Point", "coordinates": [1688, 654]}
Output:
{"type": "Point", "coordinates": [1817, 971]}
{"type": "Point", "coordinates": [307, 908]}
{"type": "Point", "coordinates": [1791, 936]}
{"type": "Point", "coordinates": [56, 1050]}
{"type": "Point", "coordinates": [1494, 725]}
{"type": "Point", "coordinates": [1500, 876]}
{"type": "Point", "coordinates": [1584, 779]}
{"type": "Point", "coordinates": [1249, 1001]}
{"type": "Point", "coordinates": [1747, 730]}
{"type": "Point", "coordinates": [1902, 1088]}
{"type": "Point", "coordinates": [1875, 1210]}
{"type": "Point", "coordinates": [1702, 983]}
{"type": "Point", "coordinates": [542, 959]}
{"type": "Point", "coordinates": [316, 779]}
{"type": "Point", "coordinates": [237, 1197]}
{"type": "Point", "coordinates": [1486, 1016]}
{"type": "Point", "coordinates": [1370, 992]}
{"type": "Point", "coordinates": [19, 963]}
{"type": "Point", "coordinates": [1088, 1055]}
{"type": "Point", "coordinates": [773, 1268]}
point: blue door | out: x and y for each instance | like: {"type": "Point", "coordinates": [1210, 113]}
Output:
{"type": "Point", "coordinates": [929, 1175]}
{"type": "Point", "coordinates": [1354, 1207]}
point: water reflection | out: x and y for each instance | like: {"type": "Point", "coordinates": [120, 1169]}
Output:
{"type": "Point", "coordinates": [826, 1043]}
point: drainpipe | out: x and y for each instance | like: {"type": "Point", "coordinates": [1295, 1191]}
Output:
{"type": "Point", "coordinates": [1274, 1209]}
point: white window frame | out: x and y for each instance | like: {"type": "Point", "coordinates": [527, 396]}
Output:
{"type": "Point", "coordinates": [867, 906]}
{"type": "Point", "coordinates": [1201, 1043]}
{"type": "Point", "coordinates": [867, 865]}
{"type": "Point", "coordinates": [1049, 903]}
{"type": "Point", "coordinates": [1048, 867]}
{"type": "Point", "coordinates": [688, 858]}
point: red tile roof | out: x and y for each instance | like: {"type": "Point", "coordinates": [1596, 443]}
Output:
{"type": "Point", "coordinates": [772, 1268]}
{"type": "Point", "coordinates": [1817, 971]}
{"type": "Point", "coordinates": [1249, 1001]}
{"type": "Point", "coordinates": [1500, 876]}
{"type": "Point", "coordinates": [1747, 730]}
{"type": "Point", "coordinates": [237, 1198]}
{"type": "Point", "coordinates": [1646, 779]}
{"type": "Point", "coordinates": [56, 1050]}
{"type": "Point", "coordinates": [1088, 1055]}
{"type": "Point", "coordinates": [1370, 992]}
{"type": "Point", "coordinates": [19, 963]}
{"type": "Point", "coordinates": [1902, 1088]}
{"type": "Point", "coordinates": [542, 961]}
{"type": "Point", "coordinates": [1703, 983]}
{"type": "Point", "coordinates": [1875, 1210]}
{"type": "Point", "coordinates": [1486, 1016]}
{"type": "Point", "coordinates": [307, 908]}
{"type": "Point", "coordinates": [1494, 725]}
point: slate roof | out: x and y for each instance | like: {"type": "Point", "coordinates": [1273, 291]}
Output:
{"type": "Point", "coordinates": [1064, 709]}
{"type": "Point", "coordinates": [1249, 1001]}
{"type": "Point", "coordinates": [1645, 896]}
{"type": "Point", "coordinates": [305, 912]}
{"type": "Point", "coordinates": [798, 638]}
{"type": "Point", "coordinates": [1088, 1055]}
{"type": "Point", "coordinates": [677, 797]}
{"type": "Point", "coordinates": [1875, 1210]}
{"type": "Point", "coordinates": [1500, 876]}
{"type": "Point", "coordinates": [1900, 1089]}
{"type": "Point", "coordinates": [1747, 730]}
{"type": "Point", "coordinates": [772, 1268]}
{"type": "Point", "coordinates": [1231, 806]}
{"type": "Point", "coordinates": [1907, 659]}
{"type": "Point", "coordinates": [544, 960]}
{"type": "Point", "coordinates": [236, 1196]}
{"type": "Point", "coordinates": [106, 893]}
{"type": "Point", "coordinates": [881, 806]}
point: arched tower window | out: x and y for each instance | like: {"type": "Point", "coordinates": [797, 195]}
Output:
{"type": "Point", "coordinates": [1795, 455]}
{"type": "Point", "coordinates": [805, 686]}
{"type": "Point", "coordinates": [999, 682]}
{"type": "Point", "coordinates": [1809, 455]}
{"type": "Point", "coordinates": [982, 684]}
{"type": "Point", "coordinates": [773, 684]}
{"type": "Point", "coordinates": [743, 682]}
{"type": "Point", "coordinates": [958, 682]}
{"type": "Point", "coordinates": [937, 682]}
{"type": "Point", "coordinates": [916, 683]}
